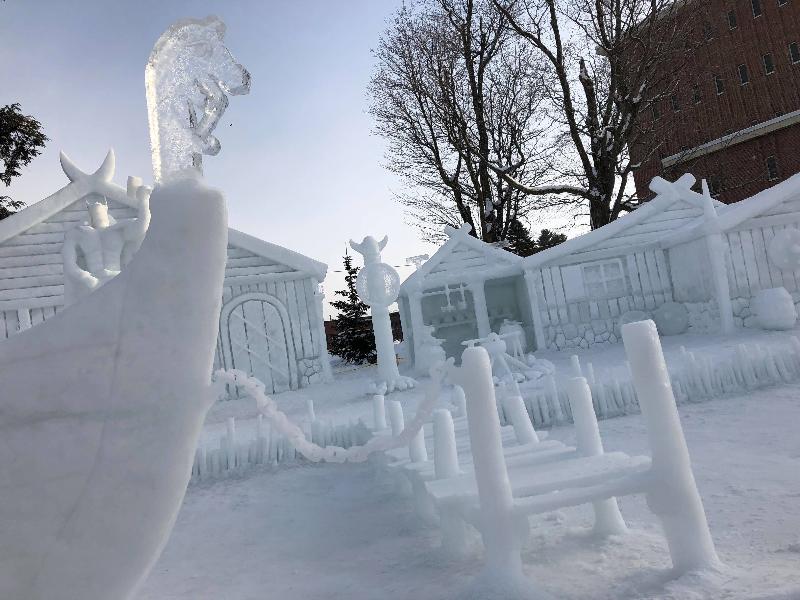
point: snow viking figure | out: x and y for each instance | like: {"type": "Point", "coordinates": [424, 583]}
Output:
{"type": "Point", "coordinates": [98, 249]}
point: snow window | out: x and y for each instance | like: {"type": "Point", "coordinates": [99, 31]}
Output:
{"type": "Point", "coordinates": [605, 279]}
{"type": "Point", "coordinates": [772, 168]}
{"type": "Point", "coordinates": [744, 76]}
{"type": "Point", "coordinates": [769, 64]}
{"type": "Point", "coordinates": [719, 84]}
{"type": "Point", "coordinates": [756, 4]}
{"type": "Point", "coordinates": [732, 24]}
{"type": "Point", "coordinates": [794, 52]}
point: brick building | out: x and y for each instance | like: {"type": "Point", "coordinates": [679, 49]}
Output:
{"type": "Point", "coordinates": [734, 116]}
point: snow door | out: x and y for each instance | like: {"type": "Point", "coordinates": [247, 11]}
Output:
{"type": "Point", "coordinates": [256, 335]}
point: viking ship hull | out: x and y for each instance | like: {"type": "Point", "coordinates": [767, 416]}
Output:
{"type": "Point", "coordinates": [101, 407]}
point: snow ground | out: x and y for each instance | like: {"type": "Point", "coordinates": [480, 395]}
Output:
{"type": "Point", "coordinates": [342, 532]}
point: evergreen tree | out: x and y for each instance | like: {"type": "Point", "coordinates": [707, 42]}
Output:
{"type": "Point", "coordinates": [548, 239]}
{"type": "Point", "coordinates": [21, 140]}
{"type": "Point", "coordinates": [519, 240]}
{"type": "Point", "coordinates": [354, 341]}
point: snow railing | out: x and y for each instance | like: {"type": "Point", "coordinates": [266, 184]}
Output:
{"type": "Point", "coordinates": [696, 378]}
{"type": "Point", "coordinates": [234, 456]}
{"type": "Point", "coordinates": [505, 485]}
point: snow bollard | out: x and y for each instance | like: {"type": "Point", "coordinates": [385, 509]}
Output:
{"type": "Point", "coordinates": [590, 375]}
{"type": "Point", "coordinates": [445, 455]}
{"type": "Point", "coordinates": [230, 442]}
{"type": "Point", "coordinates": [552, 393]}
{"type": "Point", "coordinates": [459, 401]}
{"type": "Point", "coordinates": [575, 365]}
{"type": "Point", "coordinates": [673, 494]}
{"type": "Point", "coordinates": [312, 416]}
{"type": "Point", "coordinates": [417, 452]}
{"type": "Point", "coordinates": [607, 518]}
{"type": "Point", "coordinates": [498, 526]}
{"type": "Point", "coordinates": [379, 412]}
{"type": "Point", "coordinates": [518, 415]}
{"type": "Point", "coordinates": [396, 418]}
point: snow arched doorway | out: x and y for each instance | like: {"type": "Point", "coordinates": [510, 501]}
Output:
{"type": "Point", "coordinates": [256, 336]}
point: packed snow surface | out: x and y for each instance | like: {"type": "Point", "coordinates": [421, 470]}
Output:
{"type": "Point", "coordinates": [343, 531]}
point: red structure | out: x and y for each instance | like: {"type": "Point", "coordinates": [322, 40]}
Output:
{"type": "Point", "coordinates": [734, 118]}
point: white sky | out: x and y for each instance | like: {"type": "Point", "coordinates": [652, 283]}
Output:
{"type": "Point", "coordinates": [299, 165]}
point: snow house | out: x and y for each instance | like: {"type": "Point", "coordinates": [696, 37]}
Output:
{"type": "Point", "coordinates": [654, 260]}
{"type": "Point", "coordinates": [271, 323]}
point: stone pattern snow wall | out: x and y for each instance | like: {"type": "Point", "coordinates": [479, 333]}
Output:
{"type": "Point", "coordinates": [586, 323]}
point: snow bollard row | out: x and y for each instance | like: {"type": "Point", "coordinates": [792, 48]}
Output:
{"type": "Point", "coordinates": [673, 494]}
{"type": "Point", "coordinates": [502, 576]}
{"type": "Point", "coordinates": [402, 434]}
{"type": "Point", "coordinates": [607, 518]}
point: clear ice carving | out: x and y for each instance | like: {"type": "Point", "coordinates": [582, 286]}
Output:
{"type": "Point", "coordinates": [188, 78]}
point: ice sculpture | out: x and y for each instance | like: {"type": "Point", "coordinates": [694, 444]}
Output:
{"type": "Point", "coordinates": [188, 78]}
{"type": "Point", "coordinates": [97, 250]}
{"type": "Point", "coordinates": [784, 250]}
{"type": "Point", "coordinates": [102, 407]}
{"type": "Point", "coordinates": [774, 309]}
{"type": "Point", "coordinates": [378, 285]}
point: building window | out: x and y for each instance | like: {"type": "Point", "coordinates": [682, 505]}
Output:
{"type": "Point", "coordinates": [732, 24]}
{"type": "Point", "coordinates": [772, 168]}
{"type": "Point", "coordinates": [744, 76]}
{"type": "Point", "coordinates": [714, 185]}
{"type": "Point", "coordinates": [782, 2]}
{"type": "Point", "coordinates": [708, 31]}
{"type": "Point", "coordinates": [769, 65]}
{"type": "Point", "coordinates": [794, 52]}
{"type": "Point", "coordinates": [674, 103]}
{"type": "Point", "coordinates": [719, 84]}
{"type": "Point", "coordinates": [696, 96]}
{"type": "Point", "coordinates": [756, 4]}
{"type": "Point", "coordinates": [605, 279]}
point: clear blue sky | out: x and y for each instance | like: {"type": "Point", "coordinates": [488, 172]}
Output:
{"type": "Point", "coordinates": [299, 164]}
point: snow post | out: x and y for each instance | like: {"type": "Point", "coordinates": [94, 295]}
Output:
{"type": "Point", "coordinates": [396, 418]}
{"type": "Point", "coordinates": [379, 412]}
{"type": "Point", "coordinates": [518, 415]}
{"type": "Point", "coordinates": [607, 518]}
{"type": "Point", "coordinates": [717, 249]}
{"type": "Point", "coordinates": [673, 494]}
{"type": "Point", "coordinates": [445, 455]}
{"type": "Point", "coordinates": [460, 401]}
{"type": "Point", "coordinates": [417, 452]}
{"type": "Point", "coordinates": [498, 527]}
{"type": "Point", "coordinates": [552, 391]}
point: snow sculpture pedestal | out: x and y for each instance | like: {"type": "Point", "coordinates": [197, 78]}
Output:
{"type": "Point", "coordinates": [378, 285]}
{"type": "Point", "coordinates": [102, 408]}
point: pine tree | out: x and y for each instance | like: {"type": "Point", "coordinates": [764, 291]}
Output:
{"type": "Point", "coordinates": [519, 239]}
{"type": "Point", "coordinates": [548, 239]}
{"type": "Point", "coordinates": [354, 341]}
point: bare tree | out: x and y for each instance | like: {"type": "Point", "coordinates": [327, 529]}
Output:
{"type": "Point", "coordinates": [456, 92]}
{"type": "Point", "coordinates": [606, 59]}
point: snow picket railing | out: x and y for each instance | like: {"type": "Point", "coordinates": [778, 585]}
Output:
{"type": "Point", "coordinates": [505, 485]}
{"type": "Point", "coordinates": [696, 378]}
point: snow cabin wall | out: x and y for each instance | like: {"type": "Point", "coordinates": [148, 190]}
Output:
{"type": "Point", "coordinates": [575, 315]}
{"type": "Point", "coordinates": [32, 269]}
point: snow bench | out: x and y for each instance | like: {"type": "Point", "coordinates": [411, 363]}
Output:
{"type": "Point", "coordinates": [500, 486]}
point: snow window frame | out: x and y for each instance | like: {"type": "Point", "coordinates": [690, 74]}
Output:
{"type": "Point", "coordinates": [604, 279]}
